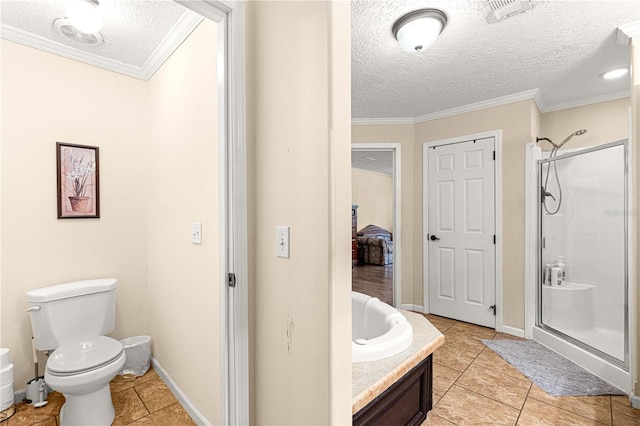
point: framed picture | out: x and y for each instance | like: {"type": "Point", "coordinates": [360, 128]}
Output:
{"type": "Point", "coordinates": [78, 181]}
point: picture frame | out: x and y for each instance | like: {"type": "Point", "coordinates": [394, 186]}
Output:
{"type": "Point", "coordinates": [78, 181]}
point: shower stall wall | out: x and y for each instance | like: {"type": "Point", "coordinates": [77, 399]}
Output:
{"type": "Point", "coordinates": [582, 221]}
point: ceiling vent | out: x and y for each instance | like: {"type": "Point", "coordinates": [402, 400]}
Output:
{"type": "Point", "coordinates": [63, 26]}
{"type": "Point", "coordinates": [497, 10]}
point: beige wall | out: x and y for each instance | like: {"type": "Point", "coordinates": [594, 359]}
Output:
{"type": "Point", "coordinates": [604, 121]}
{"type": "Point", "coordinates": [183, 291]}
{"type": "Point", "coordinates": [404, 135]}
{"type": "Point", "coordinates": [339, 202]}
{"type": "Point", "coordinates": [47, 98]}
{"type": "Point", "coordinates": [299, 104]}
{"type": "Point", "coordinates": [373, 193]}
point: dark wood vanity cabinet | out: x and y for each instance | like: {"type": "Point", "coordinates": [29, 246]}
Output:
{"type": "Point", "coordinates": [406, 402]}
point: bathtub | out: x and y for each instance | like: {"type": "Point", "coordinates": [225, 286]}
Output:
{"type": "Point", "coordinates": [378, 330]}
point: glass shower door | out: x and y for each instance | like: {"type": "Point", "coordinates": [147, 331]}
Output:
{"type": "Point", "coordinates": [582, 293]}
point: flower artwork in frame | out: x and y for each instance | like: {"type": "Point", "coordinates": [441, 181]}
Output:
{"type": "Point", "coordinates": [78, 183]}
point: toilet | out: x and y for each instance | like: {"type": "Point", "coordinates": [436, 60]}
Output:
{"type": "Point", "coordinates": [71, 322]}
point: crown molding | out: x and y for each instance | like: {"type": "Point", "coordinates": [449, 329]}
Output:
{"type": "Point", "coordinates": [187, 22]}
{"type": "Point", "coordinates": [183, 27]}
{"type": "Point", "coordinates": [535, 94]}
{"type": "Point", "coordinates": [491, 103]}
{"type": "Point", "coordinates": [17, 35]}
{"type": "Point", "coordinates": [586, 101]}
{"type": "Point", "coordinates": [626, 32]}
{"type": "Point", "coordinates": [382, 121]}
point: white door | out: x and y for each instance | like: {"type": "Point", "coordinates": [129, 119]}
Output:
{"type": "Point", "coordinates": [461, 231]}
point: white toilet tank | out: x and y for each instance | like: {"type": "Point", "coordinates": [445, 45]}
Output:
{"type": "Point", "coordinates": [72, 311]}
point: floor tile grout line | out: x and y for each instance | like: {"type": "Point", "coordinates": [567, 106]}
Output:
{"type": "Point", "coordinates": [611, 407]}
{"type": "Point", "coordinates": [568, 411]}
{"type": "Point", "coordinates": [476, 393]}
{"type": "Point", "coordinates": [493, 399]}
{"type": "Point", "coordinates": [524, 403]}
{"type": "Point", "coordinates": [143, 403]}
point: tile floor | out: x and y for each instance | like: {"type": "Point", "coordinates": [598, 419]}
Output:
{"type": "Point", "coordinates": [142, 400]}
{"type": "Point", "coordinates": [473, 385]}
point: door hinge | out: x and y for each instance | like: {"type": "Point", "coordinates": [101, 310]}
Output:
{"type": "Point", "coordinates": [494, 239]}
{"type": "Point", "coordinates": [494, 309]}
{"type": "Point", "coordinates": [231, 279]}
{"type": "Point", "coordinates": [494, 156]}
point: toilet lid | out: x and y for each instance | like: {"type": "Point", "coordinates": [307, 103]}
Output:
{"type": "Point", "coordinates": [82, 355]}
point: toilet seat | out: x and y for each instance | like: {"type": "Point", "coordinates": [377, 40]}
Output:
{"type": "Point", "coordinates": [81, 356]}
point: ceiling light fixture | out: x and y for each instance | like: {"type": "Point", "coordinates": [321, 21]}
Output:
{"type": "Point", "coordinates": [418, 30]}
{"type": "Point", "coordinates": [615, 73]}
{"type": "Point", "coordinates": [84, 15]}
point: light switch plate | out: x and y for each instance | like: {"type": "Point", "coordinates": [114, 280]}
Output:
{"type": "Point", "coordinates": [282, 241]}
{"type": "Point", "coordinates": [196, 232]}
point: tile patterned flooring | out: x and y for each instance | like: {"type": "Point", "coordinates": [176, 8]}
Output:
{"type": "Point", "coordinates": [144, 400]}
{"type": "Point", "coordinates": [472, 385]}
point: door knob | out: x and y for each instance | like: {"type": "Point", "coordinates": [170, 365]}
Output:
{"type": "Point", "coordinates": [434, 238]}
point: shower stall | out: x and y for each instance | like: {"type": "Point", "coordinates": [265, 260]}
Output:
{"type": "Point", "coordinates": [581, 250]}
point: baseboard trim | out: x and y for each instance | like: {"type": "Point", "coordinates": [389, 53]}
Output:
{"type": "Point", "coordinates": [518, 332]}
{"type": "Point", "coordinates": [19, 395]}
{"type": "Point", "coordinates": [635, 401]}
{"type": "Point", "coordinates": [180, 396]}
{"type": "Point", "coordinates": [414, 308]}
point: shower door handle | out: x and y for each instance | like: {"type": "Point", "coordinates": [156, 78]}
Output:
{"type": "Point", "coordinates": [433, 238]}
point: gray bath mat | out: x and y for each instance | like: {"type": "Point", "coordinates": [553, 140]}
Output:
{"type": "Point", "coordinates": [555, 374]}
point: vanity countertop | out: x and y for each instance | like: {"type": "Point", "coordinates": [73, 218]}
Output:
{"type": "Point", "coordinates": [370, 379]}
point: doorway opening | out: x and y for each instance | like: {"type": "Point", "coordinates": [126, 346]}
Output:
{"type": "Point", "coordinates": [376, 227]}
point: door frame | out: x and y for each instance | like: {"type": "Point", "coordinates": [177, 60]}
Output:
{"type": "Point", "coordinates": [393, 147]}
{"type": "Point", "coordinates": [497, 135]}
{"type": "Point", "coordinates": [233, 301]}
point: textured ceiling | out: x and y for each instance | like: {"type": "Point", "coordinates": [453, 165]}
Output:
{"type": "Point", "coordinates": [373, 161]}
{"type": "Point", "coordinates": [559, 47]}
{"type": "Point", "coordinates": [135, 32]}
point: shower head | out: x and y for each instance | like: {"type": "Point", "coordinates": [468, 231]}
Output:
{"type": "Point", "coordinates": [576, 133]}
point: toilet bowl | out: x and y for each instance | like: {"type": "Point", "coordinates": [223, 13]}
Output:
{"type": "Point", "coordinates": [72, 321]}
{"type": "Point", "coordinates": [81, 371]}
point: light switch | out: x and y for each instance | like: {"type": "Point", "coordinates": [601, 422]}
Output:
{"type": "Point", "coordinates": [282, 241]}
{"type": "Point", "coordinates": [196, 232]}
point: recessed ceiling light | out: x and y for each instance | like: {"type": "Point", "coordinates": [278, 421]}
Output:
{"type": "Point", "coordinates": [84, 15]}
{"type": "Point", "coordinates": [418, 30]}
{"type": "Point", "coordinates": [615, 73]}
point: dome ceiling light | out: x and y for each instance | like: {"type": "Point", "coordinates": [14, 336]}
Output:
{"type": "Point", "coordinates": [418, 30]}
